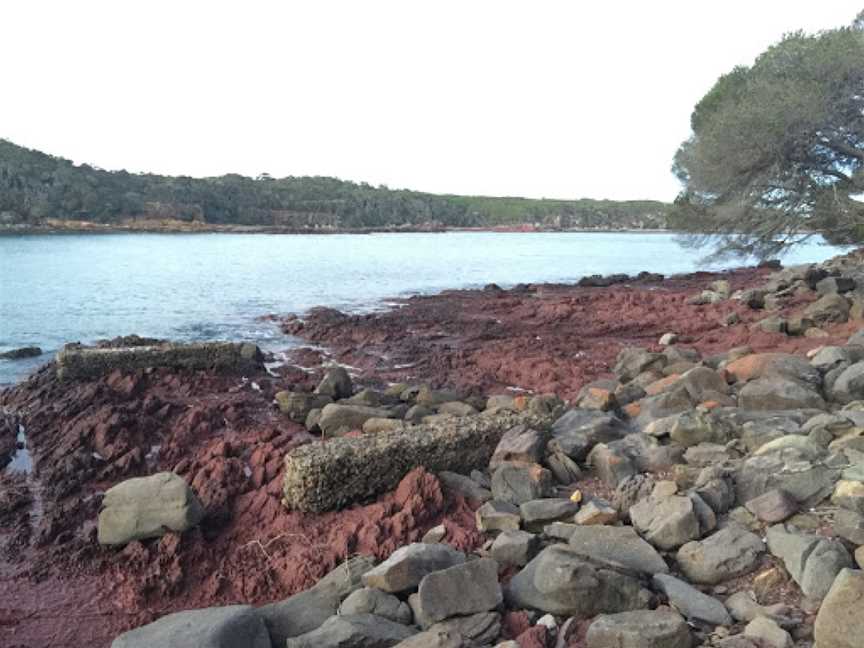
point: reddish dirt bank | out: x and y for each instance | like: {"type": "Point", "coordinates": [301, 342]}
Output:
{"type": "Point", "coordinates": [58, 587]}
{"type": "Point", "coordinates": [542, 338]}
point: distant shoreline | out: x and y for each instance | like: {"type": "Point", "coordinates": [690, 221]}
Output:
{"type": "Point", "coordinates": [96, 228]}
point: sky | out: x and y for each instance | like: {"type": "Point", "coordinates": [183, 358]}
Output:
{"type": "Point", "coordinates": [539, 99]}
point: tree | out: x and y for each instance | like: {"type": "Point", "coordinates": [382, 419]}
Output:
{"type": "Point", "coordinates": [777, 149]}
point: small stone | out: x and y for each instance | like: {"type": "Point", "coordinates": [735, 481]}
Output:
{"type": "Point", "coordinates": [515, 547]}
{"type": "Point", "coordinates": [460, 590]}
{"type": "Point", "coordinates": [640, 628]}
{"type": "Point", "coordinates": [596, 511]}
{"type": "Point", "coordinates": [767, 632]}
{"type": "Point", "coordinates": [692, 603]}
{"type": "Point", "coordinates": [497, 516]}
{"type": "Point", "coordinates": [408, 565]}
{"type": "Point", "coordinates": [774, 506]}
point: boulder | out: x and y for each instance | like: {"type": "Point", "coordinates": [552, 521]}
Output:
{"type": "Point", "coordinates": [216, 627]}
{"type": "Point", "coordinates": [514, 547]}
{"type": "Point", "coordinates": [336, 384]}
{"type": "Point", "coordinates": [768, 633]}
{"type": "Point", "coordinates": [808, 482]}
{"type": "Point", "coordinates": [497, 516]}
{"type": "Point", "coordinates": [849, 525]}
{"type": "Point", "coordinates": [693, 604]}
{"type": "Point", "coordinates": [517, 483]}
{"type": "Point", "coordinates": [464, 486]}
{"type": "Point", "coordinates": [21, 353]}
{"type": "Point", "coordinates": [776, 393]}
{"type": "Point", "coordinates": [307, 610]}
{"type": "Point", "coordinates": [541, 511]}
{"type": "Point", "coordinates": [632, 361]}
{"type": "Point", "coordinates": [840, 623]}
{"type": "Point", "coordinates": [456, 408]}
{"type": "Point", "coordinates": [463, 589]}
{"type": "Point", "coordinates": [297, 405]}
{"type": "Point", "coordinates": [350, 630]}
{"type": "Point", "coordinates": [147, 507]}
{"type": "Point", "coordinates": [480, 629]}
{"type": "Point", "coordinates": [369, 600]}
{"type": "Point", "coordinates": [730, 552]}
{"type": "Point", "coordinates": [666, 523]}
{"type": "Point", "coordinates": [812, 561]}
{"type": "Point", "coordinates": [849, 385]}
{"type": "Point", "coordinates": [561, 581]}
{"type": "Point", "coordinates": [578, 431]}
{"type": "Point", "coordinates": [695, 427]}
{"type": "Point", "coordinates": [618, 546]}
{"type": "Point", "coordinates": [338, 419]}
{"type": "Point", "coordinates": [773, 365]}
{"type": "Point", "coordinates": [849, 494]}
{"type": "Point", "coordinates": [408, 565]}
{"type": "Point", "coordinates": [830, 308]}
{"type": "Point", "coordinates": [520, 443]}
{"type": "Point", "coordinates": [661, 628]}
{"type": "Point", "coordinates": [774, 506]}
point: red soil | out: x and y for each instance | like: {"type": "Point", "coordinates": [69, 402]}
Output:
{"type": "Point", "coordinates": [58, 587]}
{"type": "Point", "coordinates": [545, 338]}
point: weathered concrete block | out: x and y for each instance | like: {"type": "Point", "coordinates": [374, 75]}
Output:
{"type": "Point", "coordinates": [325, 476]}
{"type": "Point", "coordinates": [81, 363]}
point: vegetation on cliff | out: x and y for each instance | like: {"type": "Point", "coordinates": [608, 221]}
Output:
{"type": "Point", "coordinates": [35, 187]}
{"type": "Point", "coordinates": [777, 150]}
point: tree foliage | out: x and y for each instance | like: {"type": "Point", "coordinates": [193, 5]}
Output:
{"type": "Point", "coordinates": [777, 148]}
{"type": "Point", "coordinates": [35, 186]}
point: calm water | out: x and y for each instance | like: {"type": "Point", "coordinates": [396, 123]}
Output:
{"type": "Point", "coordinates": [60, 288]}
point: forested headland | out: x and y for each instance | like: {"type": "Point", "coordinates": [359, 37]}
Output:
{"type": "Point", "coordinates": [38, 190]}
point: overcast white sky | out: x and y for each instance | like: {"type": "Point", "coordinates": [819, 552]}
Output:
{"type": "Point", "coordinates": [541, 99]}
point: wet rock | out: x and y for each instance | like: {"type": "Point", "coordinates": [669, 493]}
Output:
{"type": "Point", "coordinates": [561, 581]}
{"type": "Point", "coordinates": [774, 506]}
{"type": "Point", "coordinates": [369, 600]}
{"type": "Point", "coordinates": [517, 483]}
{"type": "Point", "coordinates": [777, 393]}
{"type": "Point", "coordinates": [297, 405]}
{"type": "Point", "coordinates": [840, 623]}
{"type": "Point", "coordinates": [408, 565]}
{"type": "Point", "coordinates": [336, 384]}
{"type": "Point", "coordinates": [730, 552]}
{"type": "Point", "coordinates": [812, 561]}
{"type": "Point", "coordinates": [693, 604]}
{"type": "Point", "coordinates": [463, 589]}
{"type": "Point", "coordinates": [497, 516]}
{"type": "Point", "coordinates": [21, 353]}
{"type": "Point", "coordinates": [520, 443]}
{"type": "Point", "coordinates": [216, 627]}
{"type": "Point", "coordinates": [337, 419]}
{"type": "Point", "coordinates": [617, 546]}
{"type": "Point", "coordinates": [147, 507]}
{"type": "Point", "coordinates": [346, 631]}
{"type": "Point", "coordinates": [666, 523]}
{"type": "Point", "coordinates": [515, 547]}
{"type": "Point", "coordinates": [661, 628]}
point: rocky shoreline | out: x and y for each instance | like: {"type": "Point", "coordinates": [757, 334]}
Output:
{"type": "Point", "coordinates": [634, 461]}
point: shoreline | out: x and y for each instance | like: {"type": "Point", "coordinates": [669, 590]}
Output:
{"type": "Point", "coordinates": [222, 434]}
{"type": "Point", "coordinates": [94, 228]}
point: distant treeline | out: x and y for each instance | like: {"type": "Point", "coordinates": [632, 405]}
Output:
{"type": "Point", "coordinates": [35, 186]}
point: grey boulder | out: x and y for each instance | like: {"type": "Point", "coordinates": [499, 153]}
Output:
{"type": "Point", "coordinates": [408, 565]}
{"type": "Point", "coordinates": [639, 629]}
{"type": "Point", "coordinates": [218, 627]}
{"type": "Point", "coordinates": [460, 590]}
{"type": "Point", "coordinates": [618, 546]}
{"type": "Point", "coordinates": [353, 631]}
{"type": "Point", "coordinates": [147, 507]}
{"type": "Point", "coordinates": [730, 552]}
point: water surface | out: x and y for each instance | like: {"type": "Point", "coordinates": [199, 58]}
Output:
{"type": "Point", "coordinates": [60, 288]}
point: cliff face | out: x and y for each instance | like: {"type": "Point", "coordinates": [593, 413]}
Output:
{"type": "Point", "coordinates": [36, 188]}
